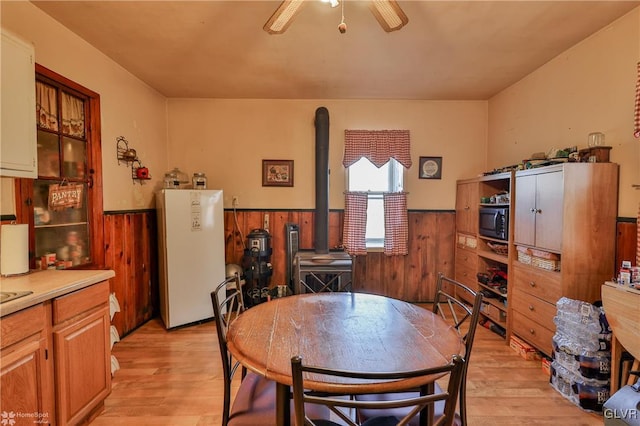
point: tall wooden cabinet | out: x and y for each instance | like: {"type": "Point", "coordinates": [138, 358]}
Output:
{"type": "Point", "coordinates": [568, 213]}
{"type": "Point", "coordinates": [562, 231]}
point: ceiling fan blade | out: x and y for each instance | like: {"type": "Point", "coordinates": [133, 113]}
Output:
{"type": "Point", "coordinates": [389, 14]}
{"type": "Point", "coordinates": [283, 16]}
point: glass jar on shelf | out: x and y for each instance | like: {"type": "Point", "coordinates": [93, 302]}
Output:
{"type": "Point", "coordinates": [176, 179]}
{"type": "Point", "coordinates": [199, 181]}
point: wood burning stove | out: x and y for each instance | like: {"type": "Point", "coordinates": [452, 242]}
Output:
{"type": "Point", "coordinates": [320, 269]}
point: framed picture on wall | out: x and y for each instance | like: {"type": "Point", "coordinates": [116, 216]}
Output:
{"type": "Point", "coordinates": [277, 172]}
{"type": "Point", "coordinates": [430, 168]}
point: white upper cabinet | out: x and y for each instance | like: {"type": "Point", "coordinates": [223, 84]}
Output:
{"type": "Point", "coordinates": [18, 156]}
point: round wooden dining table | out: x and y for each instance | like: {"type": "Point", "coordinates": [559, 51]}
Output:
{"type": "Point", "coordinates": [348, 331]}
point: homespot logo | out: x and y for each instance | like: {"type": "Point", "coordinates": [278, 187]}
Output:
{"type": "Point", "coordinates": [617, 413]}
{"type": "Point", "coordinates": [11, 418]}
{"type": "Point", "coordinates": [8, 418]}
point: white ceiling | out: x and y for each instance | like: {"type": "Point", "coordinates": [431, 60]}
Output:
{"type": "Point", "coordinates": [448, 50]}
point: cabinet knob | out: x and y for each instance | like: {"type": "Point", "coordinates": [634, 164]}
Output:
{"type": "Point", "coordinates": [531, 307]}
{"type": "Point", "coordinates": [538, 211]}
{"type": "Point", "coordinates": [467, 207]}
{"type": "Point", "coordinates": [532, 331]}
{"type": "Point", "coordinates": [532, 210]}
{"type": "Point", "coordinates": [532, 283]}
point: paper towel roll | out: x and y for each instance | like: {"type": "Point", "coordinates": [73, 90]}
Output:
{"type": "Point", "coordinates": [14, 249]}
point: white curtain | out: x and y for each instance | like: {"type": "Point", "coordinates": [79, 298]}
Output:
{"type": "Point", "coordinates": [46, 107]}
{"type": "Point", "coordinates": [72, 116]}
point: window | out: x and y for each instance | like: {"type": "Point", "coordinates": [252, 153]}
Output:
{"type": "Point", "coordinates": [363, 176]}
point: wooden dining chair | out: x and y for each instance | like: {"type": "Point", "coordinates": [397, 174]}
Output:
{"type": "Point", "coordinates": [458, 305]}
{"type": "Point", "coordinates": [453, 304]}
{"type": "Point", "coordinates": [342, 406]}
{"type": "Point", "coordinates": [255, 400]}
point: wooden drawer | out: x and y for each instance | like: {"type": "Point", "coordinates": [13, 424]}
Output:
{"type": "Point", "coordinates": [72, 304]}
{"type": "Point", "coordinates": [533, 308]}
{"type": "Point", "coordinates": [545, 285]}
{"type": "Point", "coordinates": [466, 258]}
{"type": "Point", "coordinates": [22, 324]}
{"type": "Point", "coordinates": [466, 276]}
{"type": "Point", "coordinates": [534, 333]}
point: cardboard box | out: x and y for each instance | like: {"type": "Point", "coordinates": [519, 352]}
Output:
{"type": "Point", "coordinates": [493, 312]}
{"type": "Point", "coordinates": [524, 349]}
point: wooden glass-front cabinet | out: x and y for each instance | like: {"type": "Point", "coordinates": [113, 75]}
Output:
{"type": "Point", "coordinates": [64, 204]}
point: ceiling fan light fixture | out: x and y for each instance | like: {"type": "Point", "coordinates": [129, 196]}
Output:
{"type": "Point", "coordinates": [389, 14]}
{"type": "Point", "coordinates": [283, 16]}
{"type": "Point", "coordinates": [333, 3]}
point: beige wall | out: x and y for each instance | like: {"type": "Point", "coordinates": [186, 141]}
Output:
{"type": "Point", "coordinates": [128, 107]}
{"type": "Point", "coordinates": [228, 139]}
{"type": "Point", "coordinates": [588, 88]}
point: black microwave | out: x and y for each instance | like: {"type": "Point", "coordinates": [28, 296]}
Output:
{"type": "Point", "coordinates": [494, 222]}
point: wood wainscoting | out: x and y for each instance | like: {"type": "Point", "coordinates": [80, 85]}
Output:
{"type": "Point", "coordinates": [411, 278]}
{"type": "Point", "coordinates": [131, 250]}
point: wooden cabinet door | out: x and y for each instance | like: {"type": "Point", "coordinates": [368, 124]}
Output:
{"type": "Point", "coordinates": [26, 366]}
{"type": "Point", "coordinates": [525, 207]}
{"type": "Point", "coordinates": [467, 201]}
{"type": "Point", "coordinates": [539, 210]}
{"type": "Point", "coordinates": [83, 366]}
{"type": "Point", "coordinates": [549, 211]}
{"type": "Point", "coordinates": [23, 382]}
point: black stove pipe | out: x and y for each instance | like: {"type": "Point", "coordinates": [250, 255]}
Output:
{"type": "Point", "coordinates": [322, 181]}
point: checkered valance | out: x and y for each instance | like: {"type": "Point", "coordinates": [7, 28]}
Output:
{"type": "Point", "coordinates": [378, 146]}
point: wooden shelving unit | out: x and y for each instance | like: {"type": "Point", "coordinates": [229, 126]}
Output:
{"type": "Point", "coordinates": [474, 253]}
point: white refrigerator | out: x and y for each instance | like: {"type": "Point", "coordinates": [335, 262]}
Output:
{"type": "Point", "coordinates": [191, 244]}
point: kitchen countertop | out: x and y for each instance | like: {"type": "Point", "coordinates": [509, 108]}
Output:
{"type": "Point", "coordinates": [47, 285]}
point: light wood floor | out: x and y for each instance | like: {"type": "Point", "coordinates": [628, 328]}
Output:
{"type": "Point", "coordinates": [174, 379]}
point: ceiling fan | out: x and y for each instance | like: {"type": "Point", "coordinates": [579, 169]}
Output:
{"type": "Point", "coordinates": [387, 12]}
